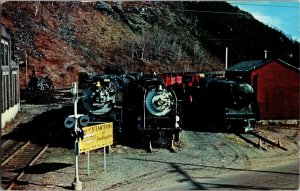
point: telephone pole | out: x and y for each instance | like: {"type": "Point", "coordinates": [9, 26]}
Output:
{"type": "Point", "coordinates": [226, 58]}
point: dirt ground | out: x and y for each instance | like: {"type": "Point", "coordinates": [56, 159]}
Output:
{"type": "Point", "coordinates": [199, 155]}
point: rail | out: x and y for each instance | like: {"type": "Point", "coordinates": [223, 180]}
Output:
{"type": "Point", "coordinates": [257, 140]}
{"type": "Point", "coordinates": [14, 166]}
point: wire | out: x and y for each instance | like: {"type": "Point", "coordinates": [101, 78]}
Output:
{"type": "Point", "coordinates": [262, 5]}
{"type": "Point", "coordinates": [191, 10]}
{"type": "Point", "coordinates": [213, 12]}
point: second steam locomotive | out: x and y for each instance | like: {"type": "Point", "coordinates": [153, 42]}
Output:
{"type": "Point", "coordinates": [224, 104]}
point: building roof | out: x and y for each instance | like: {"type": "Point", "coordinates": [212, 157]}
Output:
{"type": "Point", "coordinates": [247, 66]}
{"type": "Point", "coordinates": [3, 31]}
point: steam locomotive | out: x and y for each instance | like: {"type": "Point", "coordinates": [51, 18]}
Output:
{"type": "Point", "coordinates": [140, 106]}
{"type": "Point", "coordinates": [224, 104]}
{"type": "Point", "coordinates": [157, 112]}
{"type": "Point", "coordinates": [102, 98]}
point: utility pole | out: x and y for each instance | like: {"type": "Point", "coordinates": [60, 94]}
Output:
{"type": "Point", "coordinates": [25, 69]}
{"type": "Point", "coordinates": [226, 58]}
{"type": "Point", "coordinates": [1, 101]}
{"type": "Point", "coordinates": [266, 54]}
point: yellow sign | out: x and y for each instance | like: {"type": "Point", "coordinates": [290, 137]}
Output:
{"type": "Point", "coordinates": [96, 136]}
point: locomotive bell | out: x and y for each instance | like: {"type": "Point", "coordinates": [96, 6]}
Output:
{"type": "Point", "coordinates": [98, 84]}
{"type": "Point", "coordinates": [160, 88]}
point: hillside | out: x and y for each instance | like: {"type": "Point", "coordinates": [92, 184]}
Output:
{"type": "Point", "coordinates": [64, 38]}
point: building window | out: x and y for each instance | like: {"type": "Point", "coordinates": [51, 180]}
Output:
{"type": "Point", "coordinates": [7, 91]}
{"type": "Point", "coordinates": [4, 52]}
{"type": "Point", "coordinates": [14, 89]}
{"type": "Point", "coordinates": [4, 93]}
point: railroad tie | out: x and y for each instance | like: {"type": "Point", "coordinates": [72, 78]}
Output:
{"type": "Point", "coordinates": [259, 143]}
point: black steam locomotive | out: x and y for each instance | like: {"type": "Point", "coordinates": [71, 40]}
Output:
{"type": "Point", "coordinates": [224, 104]}
{"type": "Point", "coordinates": [140, 106]}
{"type": "Point", "coordinates": [102, 98]}
{"type": "Point", "coordinates": [156, 111]}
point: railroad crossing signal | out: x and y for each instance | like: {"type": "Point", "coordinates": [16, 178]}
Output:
{"type": "Point", "coordinates": [69, 122]}
{"type": "Point", "coordinates": [84, 120]}
{"type": "Point", "coordinates": [72, 120]}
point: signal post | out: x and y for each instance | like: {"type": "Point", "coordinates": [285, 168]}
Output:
{"type": "Point", "coordinates": [86, 137]}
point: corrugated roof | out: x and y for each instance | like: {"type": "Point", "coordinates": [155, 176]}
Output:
{"type": "Point", "coordinates": [246, 66]}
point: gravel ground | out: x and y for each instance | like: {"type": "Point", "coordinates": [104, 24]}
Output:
{"type": "Point", "coordinates": [199, 155]}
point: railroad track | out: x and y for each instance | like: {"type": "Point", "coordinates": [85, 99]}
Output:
{"type": "Point", "coordinates": [23, 155]}
{"type": "Point", "coordinates": [19, 162]}
{"type": "Point", "coordinates": [260, 141]}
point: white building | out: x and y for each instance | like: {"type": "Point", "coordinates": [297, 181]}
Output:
{"type": "Point", "coordinates": [9, 81]}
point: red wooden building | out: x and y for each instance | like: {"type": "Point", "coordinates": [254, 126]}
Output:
{"type": "Point", "coordinates": [276, 83]}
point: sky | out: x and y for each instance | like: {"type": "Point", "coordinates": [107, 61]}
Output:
{"type": "Point", "coordinates": [281, 15]}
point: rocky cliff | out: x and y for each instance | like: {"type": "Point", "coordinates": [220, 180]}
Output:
{"type": "Point", "coordinates": [64, 38]}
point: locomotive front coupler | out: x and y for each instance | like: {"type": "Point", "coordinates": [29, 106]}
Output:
{"type": "Point", "coordinates": [163, 137]}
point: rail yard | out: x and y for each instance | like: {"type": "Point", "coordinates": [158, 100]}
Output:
{"type": "Point", "coordinates": [200, 156]}
{"type": "Point", "coordinates": [139, 124]}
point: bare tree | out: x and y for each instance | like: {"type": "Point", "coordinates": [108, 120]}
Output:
{"type": "Point", "coordinates": [143, 45]}
{"type": "Point", "coordinates": [197, 51]}
{"type": "Point", "coordinates": [36, 7]}
{"type": "Point", "coordinates": [133, 48]}
{"type": "Point", "coordinates": [159, 37]}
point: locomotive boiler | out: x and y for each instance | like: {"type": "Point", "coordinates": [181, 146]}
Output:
{"type": "Point", "coordinates": [157, 115]}
{"type": "Point", "coordinates": [225, 104]}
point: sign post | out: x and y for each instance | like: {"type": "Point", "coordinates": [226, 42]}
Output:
{"type": "Point", "coordinates": [88, 163]}
{"type": "Point", "coordinates": [91, 137]}
{"type": "Point", "coordinates": [104, 159]}
{"type": "Point", "coordinates": [96, 136]}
